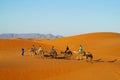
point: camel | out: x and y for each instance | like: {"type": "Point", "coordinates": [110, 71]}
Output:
{"type": "Point", "coordinates": [81, 55]}
{"type": "Point", "coordinates": [67, 53]}
{"type": "Point", "coordinates": [33, 51]}
{"type": "Point", "coordinates": [53, 53]}
{"type": "Point", "coordinates": [41, 53]}
{"type": "Point", "coordinates": [88, 55]}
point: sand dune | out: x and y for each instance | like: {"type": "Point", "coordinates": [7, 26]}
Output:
{"type": "Point", "coordinates": [96, 43]}
{"type": "Point", "coordinates": [88, 41]}
{"type": "Point", "coordinates": [104, 46]}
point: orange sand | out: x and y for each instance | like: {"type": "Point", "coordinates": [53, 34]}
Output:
{"type": "Point", "coordinates": [104, 46]}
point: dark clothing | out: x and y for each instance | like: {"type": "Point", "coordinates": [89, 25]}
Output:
{"type": "Point", "coordinates": [67, 48]}
{"type": "Point", "coordinates": [22, 51]}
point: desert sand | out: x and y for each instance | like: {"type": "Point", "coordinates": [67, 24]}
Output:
{"type": "Point", "coordinates": [104, 46]}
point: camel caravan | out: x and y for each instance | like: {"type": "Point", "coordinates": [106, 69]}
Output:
{"type": "Point", "coordinates": [67, 54]}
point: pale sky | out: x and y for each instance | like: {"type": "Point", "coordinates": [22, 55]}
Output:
{"type": "Point", "coordinates": [59, 17]}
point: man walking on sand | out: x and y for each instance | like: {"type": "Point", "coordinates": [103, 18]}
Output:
{"type": "Point", "coordinates": [23, 51]}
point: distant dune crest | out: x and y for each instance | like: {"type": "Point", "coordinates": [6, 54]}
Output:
{"type": "Point", "coordinates": [30, 35]}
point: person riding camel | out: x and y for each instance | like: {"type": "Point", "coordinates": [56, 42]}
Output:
{"type": "Point", "coordinates": [80, 55]}
{"type": "Point", "coordinates": [40, 50]}
{"type": "Point", "coordinates": [80, 49]}
{"type": "Point", "coordinates": [67, 49]}
{"type": "Point", "coordinates": [53, 49]}
{"type": "Point", "coordinates": [33, 49]}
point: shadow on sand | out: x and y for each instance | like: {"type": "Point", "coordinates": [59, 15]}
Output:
{"type": "Point", "coordinates": [100, 60]}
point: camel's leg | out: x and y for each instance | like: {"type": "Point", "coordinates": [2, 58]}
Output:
{"type": "Point", "coordinates": [41, 55]}
{"type": "Point", "coordinates": [86, 58]}
{"type": "Point", "coordinates": [81, 56]}
{"type": "Point", "coordinates": [91, 58]}
{"type": "Point", "coordinates": [78, 56]}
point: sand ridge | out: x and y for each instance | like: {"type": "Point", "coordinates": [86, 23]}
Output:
{"type": "Point", "coordinates": [104, 46]}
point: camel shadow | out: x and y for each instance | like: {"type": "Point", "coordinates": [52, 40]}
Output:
{"type": "Point", "coordinates": [60, 57]}
{"type": "Point", "coordinates": [111, 61]}
{"type": "Point", "coordinates": [98, 60]}
{"type": "Point", "coordinates": [48, 56]}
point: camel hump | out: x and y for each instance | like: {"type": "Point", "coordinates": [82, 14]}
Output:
{"type": "Point", "coordinates": [88, 53]}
